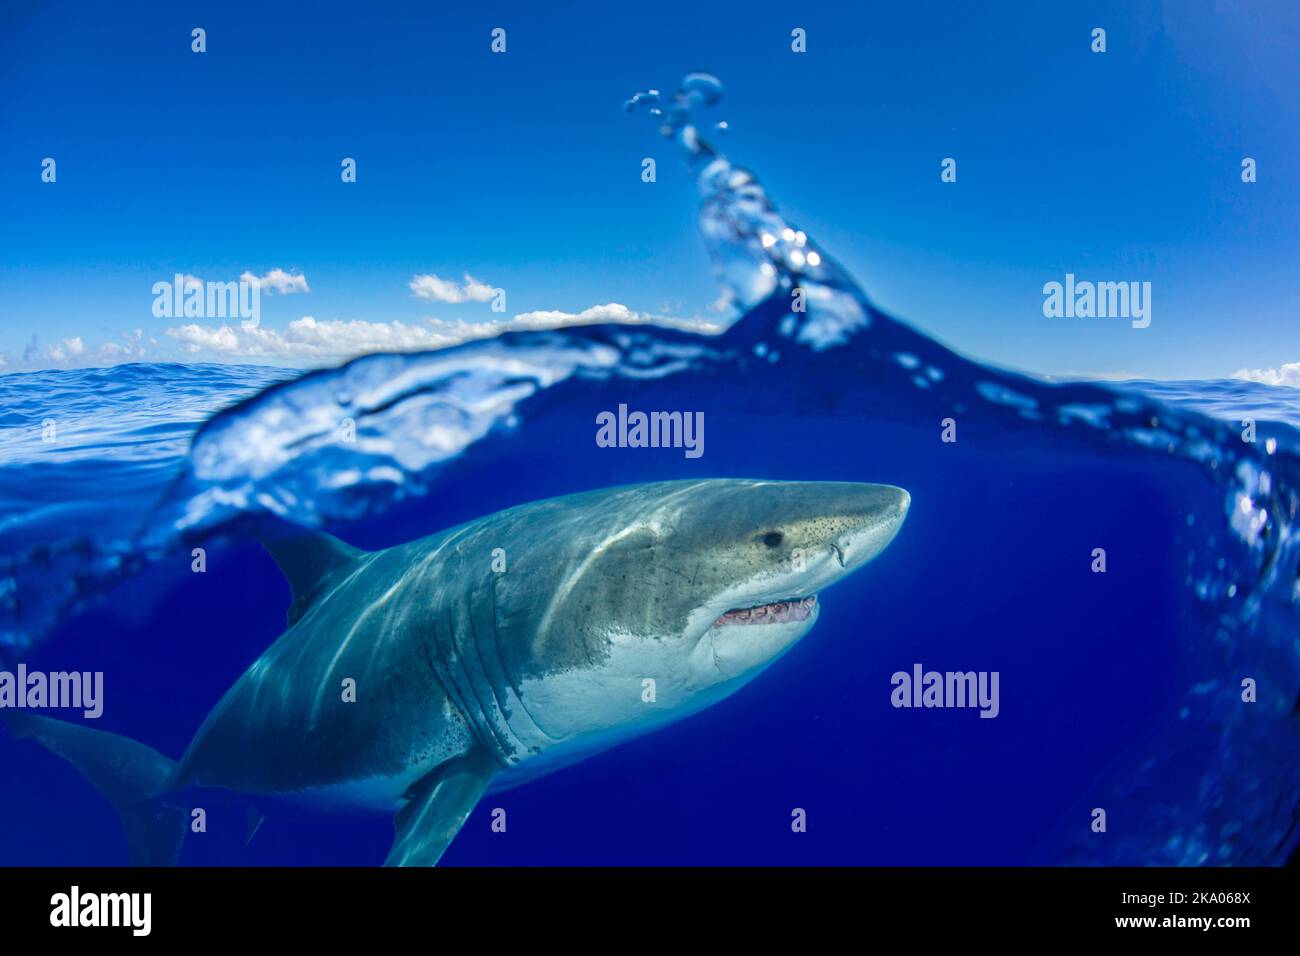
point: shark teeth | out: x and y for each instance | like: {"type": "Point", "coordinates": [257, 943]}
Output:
{"type": "Point", "coordinates": [782, 612]}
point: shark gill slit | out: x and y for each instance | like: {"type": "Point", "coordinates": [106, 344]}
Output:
{"type": "Point", "coordinates": [477, 716]}
{"type": "Point", "coordinates": [448, 678]}
{"type": "Point", "coordinates": [508, 679]}
{"type": "Point", "coordinates": [444, 678]}
{"type": "Point", "coordinates": [507, 746]}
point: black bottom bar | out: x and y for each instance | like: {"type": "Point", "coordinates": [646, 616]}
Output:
{"type": "Point", "coordinates": [337, 905]}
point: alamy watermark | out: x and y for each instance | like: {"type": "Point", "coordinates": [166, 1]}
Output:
{"type": "Point", "coordinates": [922, 688]}
{"type": "Point", "coordinates": [191, 298]}
{"type": "Point", "coordinates": [38, 690]}
{"type": "Point", "coordinates": [133, 911]}
{"type": "Point", "coordinates": [651, 430]}
{"type": "Point", "coordinates": [1101, 300]}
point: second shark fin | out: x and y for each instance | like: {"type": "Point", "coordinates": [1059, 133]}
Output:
{"type": "Point", "coordinates": [438, 806]}
{"type": "Point", "coordinates": [312, 562]}
{"type": "Point", "coordinates": [130, 774]}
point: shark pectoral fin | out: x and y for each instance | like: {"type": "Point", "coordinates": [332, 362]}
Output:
{"type": "Point", "coordinates": [438, 806]}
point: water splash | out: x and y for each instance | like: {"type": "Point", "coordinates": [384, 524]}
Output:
{"type": "Point", "coordinates": [338, 444]}
{"type": "Point", "coordinates": [757, 254]}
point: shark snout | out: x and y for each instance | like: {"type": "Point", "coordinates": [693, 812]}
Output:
{"type": "Point", "coordinates": [870, 525]}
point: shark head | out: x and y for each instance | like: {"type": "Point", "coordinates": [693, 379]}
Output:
{"type": "Point", "coordinates": [759, 576]}
{"type": "Point", "coordinates": [694, 586]}
{"type": "Point", "coordinates": [758, 554]}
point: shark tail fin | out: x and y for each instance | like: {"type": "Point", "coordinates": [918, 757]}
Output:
{"type": "Point", "coordinates": [128, 773]}
{"type": "Point", "coordinates": [312, 562]}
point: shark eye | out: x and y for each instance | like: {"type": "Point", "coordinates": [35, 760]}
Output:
{"type": "Point", "coordinates": [772, 539]}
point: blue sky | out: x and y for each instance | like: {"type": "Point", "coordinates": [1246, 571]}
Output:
{"type": "Point", "coordinates": [522, 171]}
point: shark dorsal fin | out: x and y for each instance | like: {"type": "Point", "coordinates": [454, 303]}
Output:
{"type": "Point", "coordinates": [312, 562]}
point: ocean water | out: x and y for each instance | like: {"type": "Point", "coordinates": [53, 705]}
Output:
{"type": "Point", "coordinates": [1120, 690]}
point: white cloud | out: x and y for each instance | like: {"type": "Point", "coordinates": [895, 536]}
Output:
{"type": "Point", "coordinates": [75, 353]}
{"type": "Point", "coordinates": [447, 290]}
{"type": "Point", "coordinates": [201, 337]}
{"type": "Point", "coordinates": [1288, 374]}
{"type": "Point", "coordinates": [477, 291]}
{"type": "Point", "coordinates": [277, 280]}
{"type": "Point", "coordinates": [307, 338]}
{"type": "Point", "coordinates": [310, 338]}
{"type": "Point", "coordinates": [723, 303]}
{"type": "Point", "coordinates": [65, 351]}
{"type": "Point", "coordinates": [609, 312]}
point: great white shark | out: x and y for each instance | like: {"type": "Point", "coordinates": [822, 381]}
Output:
{"type": "Point", "coordinates": [417, 678]}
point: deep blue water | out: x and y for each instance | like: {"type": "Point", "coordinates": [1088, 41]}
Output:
{"type": "Point", "coordinates": [1119, 690]}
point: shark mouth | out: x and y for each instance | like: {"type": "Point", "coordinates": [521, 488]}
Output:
{"type": "Point", "coordinates": [782, 612]}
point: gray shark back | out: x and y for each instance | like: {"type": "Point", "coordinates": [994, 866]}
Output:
{"type": "Point", "coordinates": [346, 695]}
{"type": "Point", "coordinates": [435, 636]}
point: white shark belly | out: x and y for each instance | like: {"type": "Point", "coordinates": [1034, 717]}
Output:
{"type": "Point", "coordinates": [365, 794]}
{"type": "Point", "coordinates": [587, 711]}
